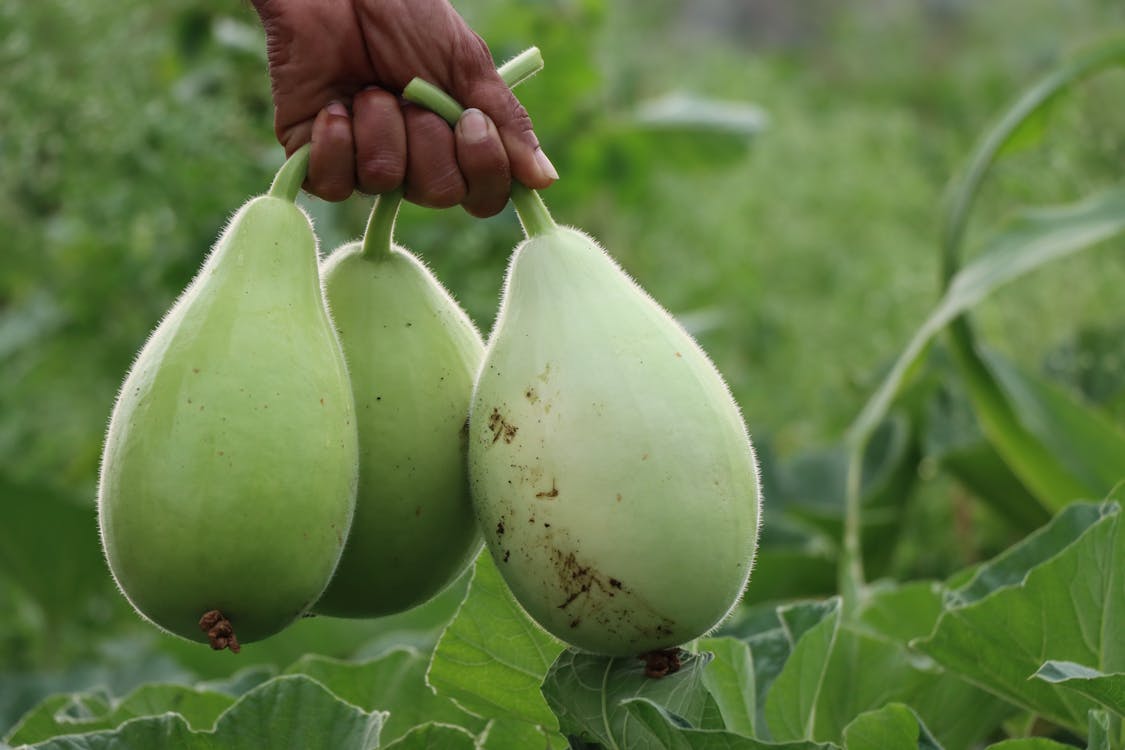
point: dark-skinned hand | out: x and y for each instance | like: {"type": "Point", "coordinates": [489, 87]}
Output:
{"type": "Point", "coordinates": [337, 68]}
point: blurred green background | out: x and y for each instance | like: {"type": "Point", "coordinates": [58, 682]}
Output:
{"type": "Point", "coordinates": [791, 224]}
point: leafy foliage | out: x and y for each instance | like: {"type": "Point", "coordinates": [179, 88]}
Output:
{"type": "Point", "coordinates": [790, 234]}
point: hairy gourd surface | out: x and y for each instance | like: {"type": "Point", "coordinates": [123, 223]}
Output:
{"type": "Point", "coordinates": [229, 471]}
{"type": "Point", "coordinates": [611, 471]}
{"type": "Point", "coordinates": [412, 355]}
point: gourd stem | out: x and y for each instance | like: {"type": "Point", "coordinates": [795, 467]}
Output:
{"type": "Point", "coordinates": [533, 213]}
{"type": "Point", "coordinates": [531, 209]}
{"type": "Point", "coordinates": [380, 226]}
{"type": "Point", "coordinates": [521, 67]}
{"type": "Point", "coordinates": [426, 94]}
{"type": "Point", "coordinates": [287, 183]}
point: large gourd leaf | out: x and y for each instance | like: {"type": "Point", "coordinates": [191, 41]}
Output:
{"type": "Point", "coordinates": [395, 682]}
{"type": "Point", "coordinates": [667, 731]}
{"type": "Point", "coordinates": [1106, 689]}
{"type": "Point", "coordinates": [291, 711]}
{"type": "Point", "coordinates": [729, 678]}
{"type": "Point", "coordinates": [434, 735]}
{"type": "Point", "coordinates": [586, 693]}
{"type": "Point", "coordinates": [492, 658]}
{"type": "Point", "coordinates": [844, 667]}
{"type": "Point", "coordinates": [79, 714]}
{"type": "Point", "coordinates": [893, 727]}
{"type": "Point", "coordinates": [294, 711]}
{"type": "Point", "coordinates": [1001, 627]}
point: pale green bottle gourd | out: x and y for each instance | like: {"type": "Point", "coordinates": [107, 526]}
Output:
{"type": "Point", "coordinates": [611, 471]}
{"type": "Point", "coordinates": [228, 477]}
{"type": "Point", "coordinates": [413, 356]}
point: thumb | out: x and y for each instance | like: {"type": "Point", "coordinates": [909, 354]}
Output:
{"type": "Point", "coordinates": [529, 164]}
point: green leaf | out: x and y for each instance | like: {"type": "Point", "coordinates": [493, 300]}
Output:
{"type": "Point", "coordinates": [1030, 743]}
{"type": "Point", "coordinates": [1009, 128]}
{"type": "Point", "coordinates": [793, 699]}
{"type": "Point", "coordinates": [122, 666]}
{"type": "Point", "coordinates": [1106, 689]}
{"type": "Point", "coordinates": [432, 735]}
{"type": "Point", "coordinates": [241, 682]}
{"type": "Point", "coordinates": [667, 732]}
{"type": "Point", "coordinates": [893, 727]}
{"type": "Point", "coordinates": [78, 714]}
{"type": "Point", "coordinates": [395, 682]}
{"type": "Point", "coordinates": [1101, 731]}
{"type": "Point", "coordinates": [1031, 241]}
{"type": "Point", "coordinates": [295, 711]}
{"type": "Point", "coordinates": [770, 647]}
{"type": "Point", "coordinates": [953, 438]}
{"type": "Point", "coordinates": [509, 734]}
{"type": "Point", "coordinates": [903, 612]}
{"type": "Point", "coordinates": [841, 669]}
{"type": "Point", "coordinates": [291, 711]}
{"type": "Point", "coordinates": [1012, 565]}
{"type": "Point", "coordinates": [166, 732]}
{"type": "Point", "coordinates": [1062, 609]}
{"type": "Point", "coordinates": [586, 691]}
{"type": "Point", "coordinates": [1087, 445]}
{"type": "Point", "coordinates": [492, 658]}
{"type": "Point", "coordinates": [729, 678]}
{"type": "Point", "coordinates": [43, 721]}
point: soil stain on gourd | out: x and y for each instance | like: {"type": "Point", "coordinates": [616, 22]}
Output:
{"type": "Point", "coordinates": [577, 580]}
{"type": "Point", "coordinates": [550, 494]}
{"type": "Point", "coordinates": [500, 427]}
{"type": "Point", "coordinates": [589, 593]}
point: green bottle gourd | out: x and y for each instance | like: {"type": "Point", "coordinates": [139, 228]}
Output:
{"type": "Point", "coordinates": [611, 470]}
{"type": "Point", "coordinates": [413, 357]}
{"type": "Point", "coordinates": [228, 478]}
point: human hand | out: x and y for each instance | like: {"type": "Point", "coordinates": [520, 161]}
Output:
{"type": "Point", "coordinates": [337, 68]}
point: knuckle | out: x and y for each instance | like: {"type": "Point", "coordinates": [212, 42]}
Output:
{"type": "Point", "coordinates": [444, 191]}
{"type": "Point", "coordinates": [381, 172]}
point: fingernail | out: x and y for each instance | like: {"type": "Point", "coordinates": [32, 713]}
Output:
{"type": "Point", "coordinates": [474, 128]}
{"type": "Point", "coordinates": [545, 165]}
{"type": "Point", "coordinates": [337, 109]}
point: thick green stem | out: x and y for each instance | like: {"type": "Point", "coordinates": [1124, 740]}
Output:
{"type": "Point", "coordinates": [850, 569]}
{"type": "Point", "coordinates": [533, 213]}
{"type": "Point", "coordinates": [377, 240]}
{"type": "Point", "coordinates": [531, 209]}
{"type": "Point", "coordinates": [287, 183]}
{"type": "Point", "coordinates": [434, 99]}
{"type": "Point", "coordinates": [521, 67]}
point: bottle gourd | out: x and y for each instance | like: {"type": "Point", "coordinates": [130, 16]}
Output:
{"type": "Point", "coordinates": [611, 471]}
{"type": "Point", "coordinates": [228, 477]}
{"type": "Point", "coordinates": [412, 357]}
